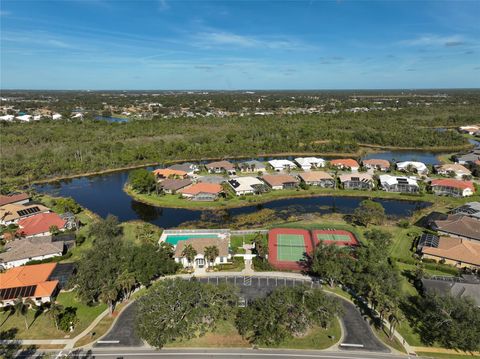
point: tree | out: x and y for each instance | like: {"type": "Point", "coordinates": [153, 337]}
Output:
{"type": "Point", "coordinates": [328, 262]}
{"type": "Point", "coordinates": [369, 212]}
{"type": "Point", "coordinates": [109, 295]}
{"type": "Point", "coordinates": [68, 319]}
{"type": "Point", "coordinates": [67, 205]}
{"type": "Point", "coordinates": [176, 309]}
{"type": "Point", "coordinates": [126, 281]}
{"type": "Point", "coordinates": [53, 229]}
{"type": "Point", "coordinates": [21, 308]}
{"type": "Point", "coordinates": [54, 311]}
{"type": "Point", "coordinates": [142, 180]}
{"type": "Point", "coordinates": [211, 253]}
{"type": "Point", "coordinates": [189, 253]}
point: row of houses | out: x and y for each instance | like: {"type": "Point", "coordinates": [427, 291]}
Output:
{"type": "Point", "coordinates": [32, 231]}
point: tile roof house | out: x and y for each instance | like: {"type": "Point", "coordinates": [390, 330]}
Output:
{"type": "Point", "coordinates": [452, 187]}
{"type": "Point", "coordinates": [163, 173]}
{"type": "Point", "coordinates": [282, 165]}
{"type": "Point", "coordinates": [22, 251]}
{"type": "Point", "coordinates": [455, 169]}
{"type": "Point", "coordinates": [412, 166]}
{"type": "Point", "coordinates": [246, 185]}
{"type": "Point", "coordinates": [16, 198]}
{"type": "Point", "coordinates": [280, 181]}
{"type": "Point", "coordinates": [202, 191]}
{"type": "Point", "coordinates": [252, 166]}
{"type": "Point", "coordinates": [171, 185]}
{"type": "Point", "coordinates": [189, 168]}
{"type": "Point", "coordinates": [360, 180]}
{"type": "Point", "coordinates": [459, 226]}
{"type": "Point", "coordinates": [454, 288]}
{"type": "Point", "coordinates": [307, 163]}
{"type": "Point", "coordinates": [345, 163]}
{"type": "Point", "coordinates": [453, 250]}
{"type": "Point", "coordinates": [220, 167]}
{"type": "Point", "coordinates": [199, 244]}
{"type": "Point", "coordinates": [468, 158]}
{"type": "Point", "coordinates": [470, 209]}
{"type": "Point", "coordinates": [399, 184]}
{"type": "Point", "coordinates": [12, 213]}
{"type": "Point", "coordinates": [39, 225]}
{"type": "Point", "coordinates": [317, 178]}
{"type": "Point", "coordinates": [376, 164]}
{"type": "Point", "coordinates": [28, 282]}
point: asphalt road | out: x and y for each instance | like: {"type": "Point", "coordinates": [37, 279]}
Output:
{"type": "Point", "coordinates": [357, 332]}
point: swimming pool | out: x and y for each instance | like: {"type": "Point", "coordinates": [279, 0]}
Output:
{"type": "Point", "coordinates": [174, 238]}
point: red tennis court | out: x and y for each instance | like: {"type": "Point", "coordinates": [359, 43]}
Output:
{"type": "Point", "coordinates": [287, 248]}
{"type": "Point", "coordinates": [334, 236]}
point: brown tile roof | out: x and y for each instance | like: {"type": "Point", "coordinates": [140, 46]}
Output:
{"type": "Point", "coordinates": [315, 176]}
{"type": "Point", "coordinates": [453, 167]}
{"type": "Point", "coordinates": [457, 249]}
{"type": "Point", "coordinates": [13, 212]}
{"type": "Point", "coordinates": [199, 245]}
{"type": "Point", "coordinates": [377, 162]}
{"type": "Point", "coordinates": [344, 162]}
{"type": "Point", "coordinates": [459, 225]}
{"type": "Point", "coordinates": [13, 198]}
{"type": "Point", "coordinates": [279, 180]}
{"type": "Point", "coordinates": [167, 172]}
{"type": "Point", "coordinates": [175, 184]}
{"type": "Point", "coordinates": [197, 188]}
{"type": "Point", "coordinates": [362, 176]}
{"type": "Point", "coordinates": [221, 164]}
{"type": "Point", "coordinates": [29, 248]}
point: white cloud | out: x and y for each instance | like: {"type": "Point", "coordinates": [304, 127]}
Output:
{"type": "Point", "coordinates": [435, 40]}
{"type": "Point", "coordinates": [163, 5]}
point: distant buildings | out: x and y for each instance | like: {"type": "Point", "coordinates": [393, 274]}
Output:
{"type": "Point", "coordinates": [282, 165]}
{"type": "Point", "coordinates": [376, 164]}
{"type": "Point", "coordinates": [308, 163]}
{"type": "Point", "coordinates": [221, 167]}
{"type": "Point", "coordinates": [199, 245]}
{"type": "Point", "coordinates": [252, 167]}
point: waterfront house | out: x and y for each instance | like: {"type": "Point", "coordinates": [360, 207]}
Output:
{"type": "Point", "coordinates": [453, 169]}
{"type": "Point", "coordinates": [199, 244]}
{"type": "Point", "coordinates": [189, 168]}
{"type": "Point", "coordinates": [171, 185]}
{"type": "Point", "coordinates": [252, 167]}
{"type": "Point", "coordinates": [459, 226]}
{"type": "Point", "coordinates": [455, 251]}
{"type": "Point", "coordinates": [22, 251]}
{"type": "Point", "coordinates": [345, 164]}
{"type": "Point", "coordinates": [282, 165]}
{"type": "Point", "coordinates": [452, 187]}
{"type": "Point", "coordinates": [246, 185]}
{"type": "Point", "coordinates": [469, 158]}
{"type": "Point", "coordinates": [40, 225]}
{"type": "Point", "coordinates": [412, 166]}
{"type": "Point", "coordinates": [361, 181]}
{"type": "Point", "coordinates": [376, 164]}
{"type": "Point", "coordinates": [470, 209]}
{"type": "Point", "coordinates": [31, 282]}
{"type": "Point", "coordinates": [280, 181]}
{"type": "Point", "coordinates": [202, 191]}
{"type": "Point", "coordinates": [15, 198]}
{"type": "Point", "coordinates": [221, 167]}
{"type": "Point", "coordinates": [317, 178]}
{"type": "Point", "coordinates": [164, 173]}
{"type": "Point", "coordinates": [307, 163]}
{"type": "Point", "coordinates": [399, 184]}
{"type": "Point", "coordinates": [12, 213]}
{"type": "Point", "coordinates": [471, 130]}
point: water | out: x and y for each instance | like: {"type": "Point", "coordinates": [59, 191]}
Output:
{"type": "Point", "coordinates": [104, 195]}
{"type": "Point", "coordinates": [429, 158]}
{"type": "Point", "coordinates": [111, 119]}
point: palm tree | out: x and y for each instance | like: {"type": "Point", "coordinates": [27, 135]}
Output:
{"type": "Point", "coordinates": [189, 252]}
{"type": "Point", "coordinates": [396, 316]}
{"type": "Point", "coordinates": [54, 311]}
{"type": "Point", "coordinates": [211, 253]}
{"type": "Point", "coordinates": [10, 310]}
{"type": "Point", "coordinates": [109, 296]}
{"type": "Point", "coordinates": [126, 281]}
{"type": "Point", "coordinates": [21, 308]}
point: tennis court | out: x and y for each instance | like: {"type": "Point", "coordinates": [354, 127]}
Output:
{"type": "Point", "coordinates": [287, 248]}
{"type": "Point", "coordinates": [334, 236]}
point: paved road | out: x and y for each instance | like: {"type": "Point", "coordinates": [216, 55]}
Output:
{"type": "Point", "coordinates": [129, 353]}
{"type": "Point", "coordinates": [357, 331]}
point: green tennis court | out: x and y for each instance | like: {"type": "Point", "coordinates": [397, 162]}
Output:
{"type": "Point", "coordinates": [290, 247]}
{"type": "Point", "coordinates": [333, 237]}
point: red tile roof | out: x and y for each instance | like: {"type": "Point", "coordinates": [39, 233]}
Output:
{"type": "Point", "coordinates": [24, 276]}
{"type": "Point", "coordinates": [449, 182]}
{"type": "Point", "coordinates": [13, 198]}
{"type": "Point", "coordinates": [167, 172]}
{"type": "Point", "coordinates": [202, 188]}
{"type": "Point", "coordinates": [40, 223]}
{"type": "Point", "coordinates": [377, 163]}
{"type": "Point", "coordinates": [345, 162]}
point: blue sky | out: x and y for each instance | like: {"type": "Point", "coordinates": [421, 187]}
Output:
{"type": "Point", "coordinates": [167, 44]}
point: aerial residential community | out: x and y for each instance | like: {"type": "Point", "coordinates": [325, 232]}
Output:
{"type": "Point", "coordinates": [190, 179]}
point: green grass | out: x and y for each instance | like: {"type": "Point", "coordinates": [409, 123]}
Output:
{"type": "Point", "coordinates": [239, 240]}
{"type": "Point", "coordinates": [43, 327]}
{"type": "Point", "coordinates": [447, 355]}
{"type": "Point", "coordinates": [237, 265]}
{"type": "Point", "coordinates": [382, 334]}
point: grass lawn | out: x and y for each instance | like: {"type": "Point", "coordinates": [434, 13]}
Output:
{"type": "Point", "coordinates": [447, 355]}
{"type": "Point", "coordinates": [238, 240]}
{"type": "Point", "coordinates": [135, 232]}
{"type": "Point", "coordinates": [43, 327]}
{"type": "Point", "coordinates": [226, 335]}
{"type": "Point", "coordinates": [394, 343]}
{"type": "Point", "coordinates": [237, 265]}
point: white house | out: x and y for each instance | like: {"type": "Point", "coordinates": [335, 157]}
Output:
{"type": "Point", "coordinates": [199, 244]}
{"type": "Point", "coordinates": [307, 163]}
{"type": "Point", "coordinates": [56, 116]}
{"type": "Point", "coordinates": [399, 184]}
{"type": "Point", "coordinates": [24, 118]}
{"type": "Point", "coordinates": [406, 166]}
{"type": "Point", "coordinates": [453, 169]}
{"type": "Point", "coordinates": [22, 251]}
{"type": "Point", "coordinates": [8, 118]}
{"type": "Point", "coordinates": [245, 185]}
{"type": "Point", "coordinates": [282, 165]}
{"type": "Point", "coordinates": [469, 129]}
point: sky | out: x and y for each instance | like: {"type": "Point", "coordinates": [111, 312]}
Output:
{"type": "Point", "coordinates": [231, 45]}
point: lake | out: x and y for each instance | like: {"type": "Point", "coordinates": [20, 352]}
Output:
{"type": "Point", "coordinates": [429, 158]}
{"type": "Point", "coordinates": [111, 119]}
{"type": "Point", "coordinates": [103, 194]}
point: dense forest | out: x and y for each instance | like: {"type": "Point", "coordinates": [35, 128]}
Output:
{"type": "Point", "coordinates": [46, 149]}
